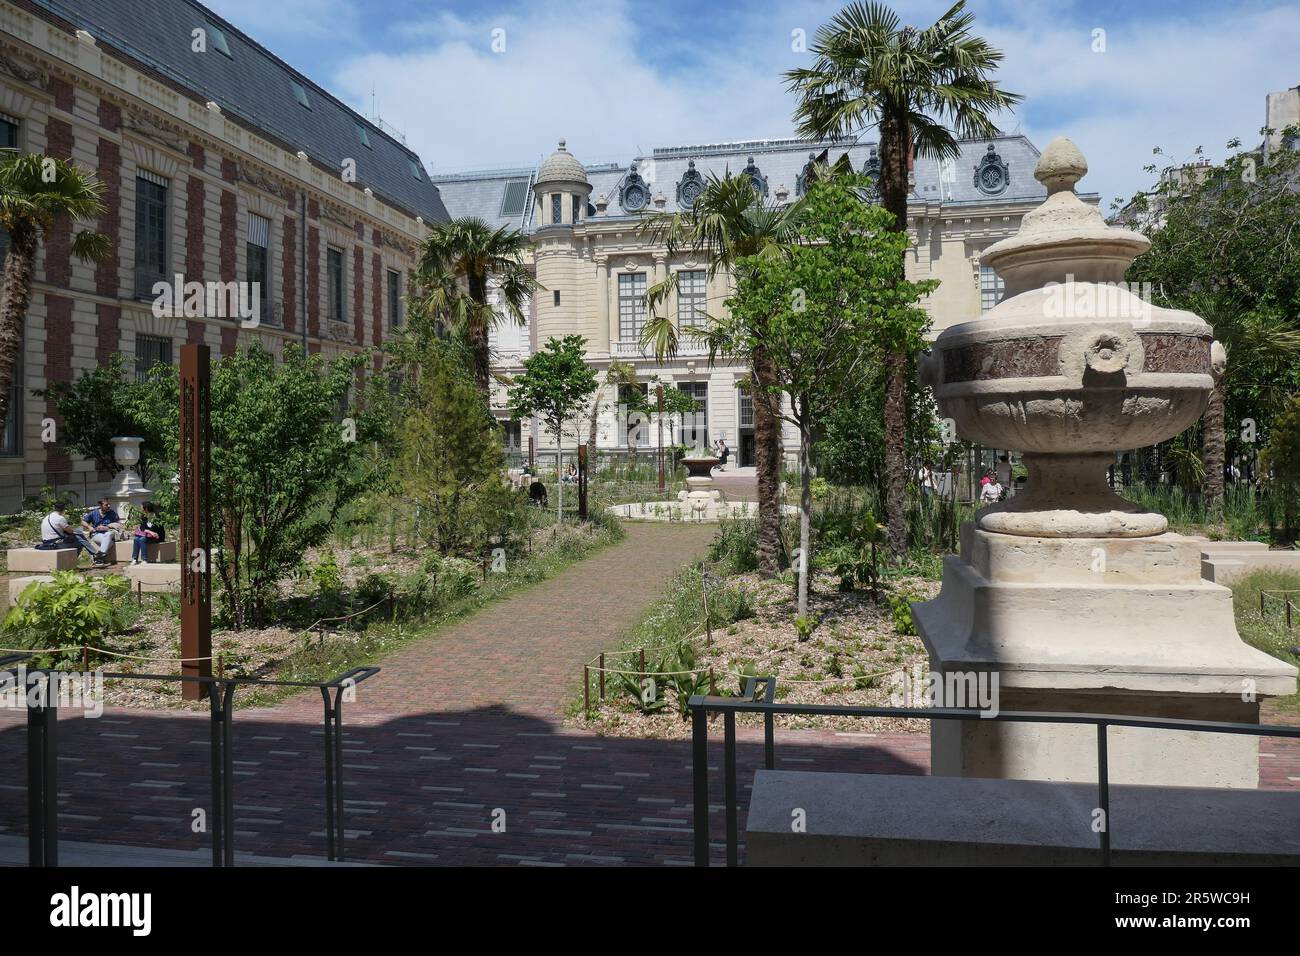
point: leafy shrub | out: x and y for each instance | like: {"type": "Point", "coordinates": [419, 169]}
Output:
{"type": "Point", "coordinates": [736, 545]}
{"type": "Point", "coordinates": [901, 607]}
{"type": "Point", "coordinates": [70, 612]}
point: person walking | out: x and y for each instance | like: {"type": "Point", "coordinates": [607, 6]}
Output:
{"type": "Point", "coordinates": [149, 531]}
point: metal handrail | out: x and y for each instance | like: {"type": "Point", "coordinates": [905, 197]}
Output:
{"type": "Point", "coordinates": [749, 703]}
{"type": "Point", "coordinates": [42, 759]}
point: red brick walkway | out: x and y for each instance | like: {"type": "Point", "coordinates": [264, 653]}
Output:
{"type": "Point", "coordinates": [456, 727]}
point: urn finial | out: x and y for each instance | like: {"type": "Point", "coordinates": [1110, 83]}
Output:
{"type": "Point", "coordinates": [1061, 165]}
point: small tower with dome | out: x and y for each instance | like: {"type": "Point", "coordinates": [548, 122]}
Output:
{"type": "Point", "coordinates": [561, 195]}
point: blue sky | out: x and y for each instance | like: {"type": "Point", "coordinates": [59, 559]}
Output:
{"type": "Point", "coordinates": [615, 78]}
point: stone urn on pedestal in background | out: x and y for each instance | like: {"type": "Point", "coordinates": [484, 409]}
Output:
{"type": "Point", "coordinates": [1069, 597]}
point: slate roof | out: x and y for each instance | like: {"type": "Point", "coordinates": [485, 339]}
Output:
{"type": "Point", "coordinates": [780, 162]}
{"type": "Point", "coordinates": [483, 195]}
{"type": "Point", "coordinates": [253, 85]}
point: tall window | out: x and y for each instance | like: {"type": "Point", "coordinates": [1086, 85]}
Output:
{"type": "Point", "coordinates": [150, 232]}
{"type": "Point", "coordinates": [334, 278]}
{"type": "Point", "coordinates": [746, 409]}
{"type": "Point", "coordinates": [394, 299]}
{"type": "Point", "coordinates": [8, 140]}
{"type": "Point", "coordinates": [692, 299]}
{"type": "Point", "coordinates": [694, 427]}
{"type": "Point", "coordinates": [631, 306]}
{"type": "Point", "coordinates": [577, 209]}
{"type": "Point", "coordinates": [258, 262]}
{"type": "Point", "coordinates": [151, 350]}
{"type": "Point", "coordinates": [557, 205]}
{"type": "Point", "coordinates": [11, 445]}
{"type": "Point", "coordinates": [990, 288]}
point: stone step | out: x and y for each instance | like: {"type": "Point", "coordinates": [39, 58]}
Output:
{"type": "Point", "coordinates": [164, 551]}
{"type": "Point", "coordinates": [34, 559]}
{"type": "Point", "coordinates": [1226, 567]}
{"type": "Point", "coordinates": [155, 577]}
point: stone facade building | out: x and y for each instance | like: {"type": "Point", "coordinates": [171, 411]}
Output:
{"type": "Point", "coordinates": [595, 263]}
{"type": "Point", "coordinates": [221, 163]}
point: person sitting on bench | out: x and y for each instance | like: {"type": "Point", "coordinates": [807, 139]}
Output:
{"type": "Point", "coordinates": [149, 532]}
{"type": "Point", "coordinates": [56, 533]}
{"type": "Point", "coordinates": [102, 522]}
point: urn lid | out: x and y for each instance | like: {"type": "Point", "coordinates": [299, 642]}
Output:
{"type": "Point", "coordinates": [1064, 237]}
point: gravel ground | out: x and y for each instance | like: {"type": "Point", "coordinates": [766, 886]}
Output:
{"type": "Point", "coordinates": [851, 659]}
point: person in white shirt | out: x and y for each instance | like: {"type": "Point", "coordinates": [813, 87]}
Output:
{"type": "Point", "coordinates": [57, 533]}
{"type": "Point", "coordinates": [991, 493]}
{"type": "Point", "coordinates": [1004, 471]}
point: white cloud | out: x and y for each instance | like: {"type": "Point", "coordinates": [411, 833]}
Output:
{"type": "Point", "coordinates": [606, 78]}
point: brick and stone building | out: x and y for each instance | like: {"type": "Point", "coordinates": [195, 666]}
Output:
{"type": "Point", "coordinates": [221, 163]}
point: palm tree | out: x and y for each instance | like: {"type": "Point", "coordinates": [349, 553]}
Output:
{"type": "Point", "coordinates": [907, 83]}
{"type": "Point", "coordinates": [36, 193]}
{"type": "Point", "coordinates": [459, 262]}
{"type": "Point", "coordinates": [729, 221]}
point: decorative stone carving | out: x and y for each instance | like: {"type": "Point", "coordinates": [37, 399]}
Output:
{"type": "Point", "coordinates": [871, 169]}
{"type": "Point", "coordinates": [756, 177]}
{"type": "Point", "coordinates": [634, 194]}
{"type": "Point", "coordinates": [29, 75]}
{"type": "Point", "coordinates": [691, 186]}
{"type": "Point", "coordinates": [141, 124]}
{"type": "Point", "coordinates": [259, 180]}
{"type": "Point", "coordinates": [992, 175]}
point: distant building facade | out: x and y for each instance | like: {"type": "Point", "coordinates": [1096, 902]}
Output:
{"type": "Point", "coordinates": [220, 164]}
{"type": "Point", "coordinates": [595, 264]}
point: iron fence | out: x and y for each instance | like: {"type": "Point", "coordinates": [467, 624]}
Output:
{"type": "Point", "coordinates": [759, 698]}
{"type": "Point", "coordinates": [42, 757]}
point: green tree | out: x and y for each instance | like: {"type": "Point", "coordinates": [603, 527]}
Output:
{"type": "Point", "coordinates": [37, 194]}
{"type": "Point", "coordinates": [730, 222]}
{"type": "Point", "coordinates": [1280, 462]}
{"type": "Point", "coordinates": [107, 401]}
{"type": "Point", "coordinates": [556, 385]}
{"type": "Point", "coordinates": [917, 87]}
{"type": "Point", "coordinates": [461, 262]}
{"type": "Point", "coordinates": [1218, 249]}
{"type": "Point", "coordinates": [450, 462]}
{"type": "Point", "coordinates": [285, 462]}
{"type": "Point", "coordinates": [819, 313]}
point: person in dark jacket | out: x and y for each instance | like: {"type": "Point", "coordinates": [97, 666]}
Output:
{"type": "Point", "coordinates": [150, 530]}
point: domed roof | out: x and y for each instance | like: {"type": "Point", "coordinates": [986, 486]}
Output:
{"type": "Point", "coordinates": [562, 166]}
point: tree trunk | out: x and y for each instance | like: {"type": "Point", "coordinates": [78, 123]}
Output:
{"type": "Point", "coordinates": [478, 338]}
{"type": "Point", "coordinates": [767, 454]}
{"type": "Point", "coordinates": [895, 415]}
{"type": "Point", "coordinates": [15, 296]}
{"type": "Point", "coordinates": [1212, 441]}
{"type": "Point", "coordinates": [805, 521]}
{"type": "Point", "coordinates": [894, 147]}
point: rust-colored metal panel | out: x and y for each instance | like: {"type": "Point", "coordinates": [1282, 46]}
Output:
{"type": "Point", "coordinates": [196, 520]}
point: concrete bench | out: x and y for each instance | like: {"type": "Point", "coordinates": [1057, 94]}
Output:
{"type": "Point", "coordinates": [155, 577]}
{"type": "Point", "coordinates": [892, 820]}
{"type": "Point", "coordinates": [36, 560]}
{"type": "Point", "coordinates": [157, 551]}
{"type": "Point", "coordinates": [18, 585]}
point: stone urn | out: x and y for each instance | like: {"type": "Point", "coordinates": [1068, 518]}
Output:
{"type": "Point", "coordinates": [1071, 366]}
{"type": "Point", "coordinates": [1069, 598]}
{"type": "Point", "coordinates": [129, 490]}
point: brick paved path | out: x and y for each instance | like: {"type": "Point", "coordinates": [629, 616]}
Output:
{"type": "Point", "coordinates": [456, 727]}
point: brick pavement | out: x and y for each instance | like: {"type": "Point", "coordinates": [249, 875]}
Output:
{"type": "Point", "coordinates": [457, 726]}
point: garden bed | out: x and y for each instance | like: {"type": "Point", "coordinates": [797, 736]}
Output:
{"type": "Point", "coordinates": [851, 657]}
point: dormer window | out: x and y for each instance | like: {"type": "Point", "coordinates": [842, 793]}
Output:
{"type": "Point", "coordinates": [415, 167]}
{"type": "Point", "coordinates": [219, 41]}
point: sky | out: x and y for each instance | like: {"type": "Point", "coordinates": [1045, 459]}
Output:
{"type": "Point", "coordinates": [482, 85]}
